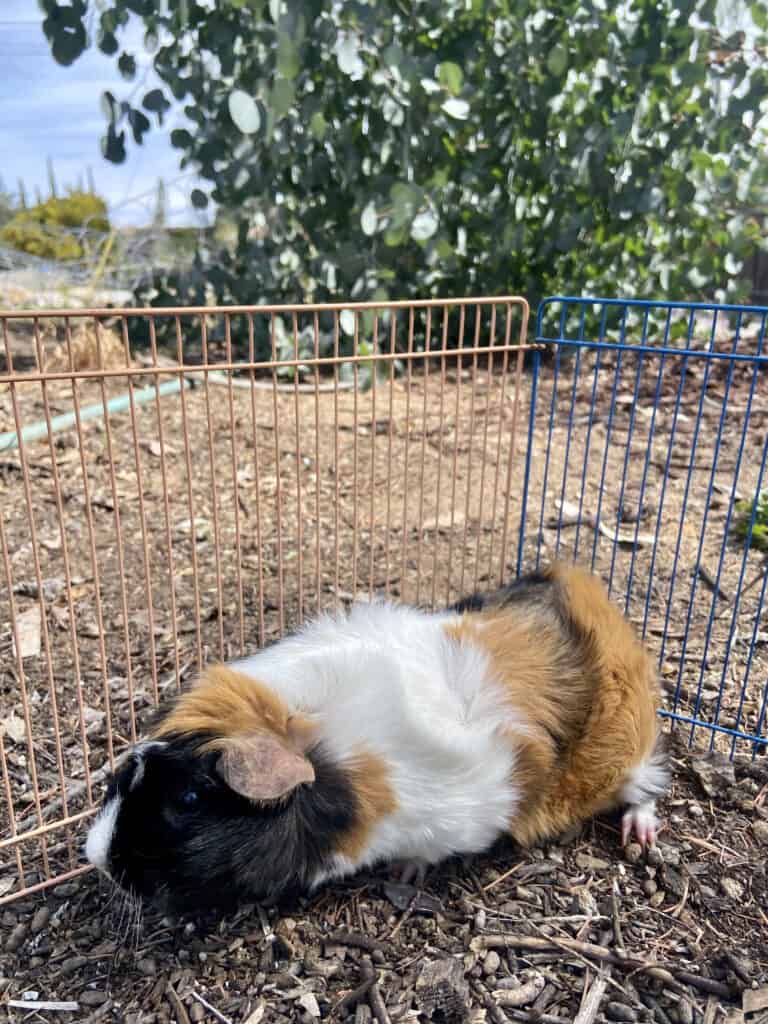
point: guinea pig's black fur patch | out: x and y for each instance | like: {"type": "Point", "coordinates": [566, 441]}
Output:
{"type": "Point", "coordinates": [184, 840]}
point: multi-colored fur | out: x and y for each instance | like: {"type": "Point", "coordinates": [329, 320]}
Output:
{"type": "Point", "coordinates": [389, 733]}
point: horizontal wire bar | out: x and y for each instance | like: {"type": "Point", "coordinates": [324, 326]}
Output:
{"type": "Point", "coordinates": [714, 307]}
{"type": "Point", "coordinates": [320, 307]}
{"type": "Point", "coordinates": [713, 727]}
{"type": "Point", "coordinates": [189, 369]}
{"type": "Point", "coordinates": [35, 833]}
{"type": "Point", "coordinates": [654, 350]}
{"type": "Point", "coordinates": [49, 883]}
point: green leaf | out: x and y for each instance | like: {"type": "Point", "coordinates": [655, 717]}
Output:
{"type": "Point", "coordinates": [281, 97]}
{"type": "Point", "coordinates": [127, 66]}
{"type": "Point", "coordinates": [66, 33]}
{"type": "Point", "coordinates": [156, 102]}
{"type": "Point", "coordinates": [139, 125]}
{"type": "Point", "coordinates": [199, 199]}
{"type": "Point", "coordinates": [318, 125]}
{"type": "Point", "coordinates": [288, 65]}
{"type": "Point", "coordinates": [108, 44]}
{"type": "Point", "coordinates": [369, 219]}
{"type": "Point", "coordinates": [451, 77]}
{"type": "Point", "coordinates": [181, 139]}
{"type": "Point", "coordinates": [759, 14]}
{"type": "Point", "coordinates": [456, 108]}
{"type": "Point", "coordinates": [113, 145]}
{"type": "Point", "coordinates": [557, 61]}
{"type": "Point", "coordinates": [244, 112]}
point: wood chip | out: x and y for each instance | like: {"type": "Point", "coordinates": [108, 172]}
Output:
{"type": "Point", "coordinates": [28, 626]}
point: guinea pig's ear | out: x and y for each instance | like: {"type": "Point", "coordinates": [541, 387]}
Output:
{"type": "Point", "coordinates": [263, 767]}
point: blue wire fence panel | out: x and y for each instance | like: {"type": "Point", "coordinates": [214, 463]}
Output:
{"type": "Point", "coordinates": [645, 460]}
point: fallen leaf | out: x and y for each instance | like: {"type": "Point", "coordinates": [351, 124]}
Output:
{"type": "Point", "coordinates": [28, 631]}
{"type": "Point", "coordinates": [14, 728]}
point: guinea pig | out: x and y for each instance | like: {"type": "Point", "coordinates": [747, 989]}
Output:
{"type": "Point", "coordinates": [389, 733]}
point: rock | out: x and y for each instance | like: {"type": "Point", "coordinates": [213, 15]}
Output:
{"type": "Point", "coordinates": [695, 810]}
{"type": "Point", "coordinates": [733, 890]}
{"type": "Point", "coordinates": [16, 938]}
{"type": "Point", "coordinates": [589, 863]}
{"type": "Point", "coordinates": [620, 1011]}
{"type": "Point", "coordinates": [670, 855]}
{"type": "Point", "coordinates": [196, 1012]}
{"type": "Point", "coordinates": [654, 857]}
{"type": "Point", "coordinates": [308, 1002]}
{"type": "Point", "coordinates": [685, 1012]}
{"type": "Point", "coordinates": [73, 963]}
{"type": "Point", "coordinates": [633, 853]}
{"type": "Point", "coordinates": [40, 920]}
{"type": "Point", "coordinates": [760, 831]}
{"type": "Point", "coordinates": [713, 773]}
{"type": "Point", "coordinates": [491, 963]}
{"type": "Point", "coordinates": [92, 997]}
{"type": "Point", "coordinates": [480, 920]}
{"type": "Point", "coordinates": [650, 887]}
{"type": "Point", "coordinates": [147, 967]}
{"type": "Point", "coordinates": [657, 899]}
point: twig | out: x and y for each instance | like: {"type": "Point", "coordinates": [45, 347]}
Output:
{"type": "Point", "coordinates": [209, 1008]}
{"type": "Point", "coordinates": [671, 976]}
{"type": "Point", "coordinates": [178, 1007]}
{"type": "Point", "coordinates": [43, 1004]}
{"type": "Point", "coordinates": [504, 877]}
{"type": "Point", "coordinates": [712, 583]}
{"type": "Point", "coordinates": [353, 998]}
{"type": "Point", "coordinates": [352, 939]}
{"type": "Point", "coordinates": [590, 1004]}
{"type": "Point", "coordinates": [711, 1009]}
{"type": "Point", "coordinates": [521, 996]}
{"type": "Point", "coordinates": [374, 995]}
{"type": "Point", "coordinates": [496, 1015]}
{"type": "Point", "coordinates": [406, 913]}
{"type": "Point", "coordinates": [618, 938]}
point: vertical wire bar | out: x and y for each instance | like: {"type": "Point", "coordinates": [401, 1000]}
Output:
{"type": "Point", "coordinates": [142, 513]}
{"type": "Point", "coordinates": [235, 485]}
{"type": "Point", "coordinates": [608, 431]}
{"type": "Point", "coordinates": [648, 453]}
{"type": "Point", "coordinates": [553, 403]}
{"type": "Point", "coordinates": [662, 496]}
{"type": "Point", "coordinates": [535, 366]}
{"type": "Point", "coordinates": [588, 441]}
{"type": "Point", "coordinates": [118, 547]}
{"type": "Point", "coordinates": [625, 466]}
{"type": "Point", "coordinates": [683, 510]}
{"type": "Point", "coordinates": [278, 483]}
{"type": "Point", "coordinates": [425, 385]}
{"type": "Point", "coordinates": [567, 455]}
{"type": "Point", "coordinates": [214, 487]}
{"type": "Point", "coordinates": [436, 544]}
{"type": "Point", "coordinates": [166, 504]}
{"type": "Point", "coordinates": [484, 460]}
{"type": "Point", "coordinates": [355, 421]}
{"type": "Point", "coordinates": [25, 702]}
{"type": "Point", "coordinates": [470, 443]}
{"type": "Point", "coordinates": [66, 563]}
{"type": "Point", "coordinates": [512, 441]}
{"type": "Point", "coordinates": [388, 530]}
{"type": "Point", "coordinates": [456, 436]}
{"type": "Point", "coordinates": [256, 479]}
{"type": "Point", "coordinates": [190, 496]}
{"type": "Point", "coordinates": [93, 557]}
{"type": "Point", "coordinates": [45, 636]}
{"type": "Point", "coordinates": [336, 472]}
{"type": "Point", "coordinates": [299, 468]}
{"type": "Point", "coordinates": [316, 350]}
{"type": "Point", "coordinates": [375, 373]}
{"type": "Point", "coordinates": [11, 811]}
{"type": "Point", "coordinates": [502, 411]}
{"type": "Point", "coordinates": [409, 380]}
{"type": "Point", "coordinates": [702, 533]}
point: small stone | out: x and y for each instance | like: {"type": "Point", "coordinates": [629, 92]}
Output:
{"type": "Point", "coordinates": [491, 963]}
{"type": "Point", "coordinates": [633, 852]}
{"type": "Point", "coordinates": [760, 831]}
{"type": "Point", "coordinates": [657, 899]}
{"type": "Point", "coordinates": [147, 967]}
{"type": "Point", "coordinates": [620, 1011]}
{"type": "Point", "coordinates": [670, 855]}
{"type": "Point", "coordinates": [16, 938]}
{"type": "Point", "coordinates": [654, 857]}
{"type": "Point", "coordinates": [695, 810]}
{"type": "Point", "coordinates": [40, 920]}
{"type": "Point", "coordinates": [309, 1003]}
{"type": "Point", "coordinates": [73, 963]}
{"type": "Point", "coordinates": [480, 920]}
{"type": "Point", "coordinates": [196, 1012]}
{"type": "Point", "coordinates": [650, 887]}
{"type": "Point", "coordinates": [733, 890]}
{"type": "Point", "coordinates": [92, 997]}
{"type": "Point", "coordinates": [707, 892]}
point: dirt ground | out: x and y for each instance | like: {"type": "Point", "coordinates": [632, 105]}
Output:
{"type": "Point", "coordinates": [234, 512]}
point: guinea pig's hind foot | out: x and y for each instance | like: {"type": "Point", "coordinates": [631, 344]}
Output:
{"type": "Point", "coordinates": [411, 872]}
{"type": "Point", "coordinates": [640, 819]}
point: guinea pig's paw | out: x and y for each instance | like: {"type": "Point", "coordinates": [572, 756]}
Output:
{"type": "Point", "coordinates": [640, 819]}
{"type": "Point", "coordinates": [411, 872]}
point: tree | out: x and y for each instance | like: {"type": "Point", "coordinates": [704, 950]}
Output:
{"type": "Point", "coordinates": [449, 147]}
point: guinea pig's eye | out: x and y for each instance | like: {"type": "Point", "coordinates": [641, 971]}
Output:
{"type": "Point", "coordinates": [190, 798]}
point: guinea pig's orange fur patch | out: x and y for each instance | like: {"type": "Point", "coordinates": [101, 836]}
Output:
{"type": "Point", "coordinates": [225, 704]}
{"type": "Point", "coordinates": [369, 776]}
{"type": "Point", "coordinates": [591, 704]}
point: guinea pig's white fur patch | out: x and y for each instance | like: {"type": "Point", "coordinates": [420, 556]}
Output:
{"type": "Point", "coordinates": [390, 680]}
{"type": "Point", "coordinates": [100, 835]}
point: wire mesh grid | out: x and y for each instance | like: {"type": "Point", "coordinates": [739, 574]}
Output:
{"type": "Point", "coordinates": [254, 466]}
{"type": "Point", "coordinates": [646, 457]}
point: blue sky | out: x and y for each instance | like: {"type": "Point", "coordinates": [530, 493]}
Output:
{"type": "Point", "coordinates": [49, 110]}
